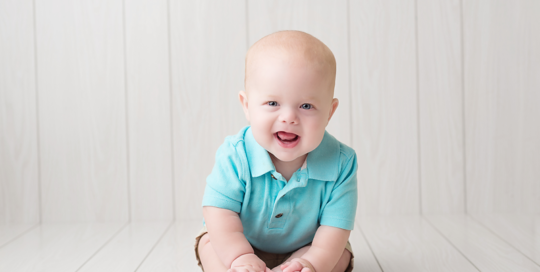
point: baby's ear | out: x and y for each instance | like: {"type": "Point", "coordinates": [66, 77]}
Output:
{"type": "Point", "coordinates": [242, 96]}
{"type": "Point", "coordinates": [335, 103]}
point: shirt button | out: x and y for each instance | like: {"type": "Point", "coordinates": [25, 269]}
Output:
{"type": "Point", "coordinates": [273, 177]}
{"type": "Point", "coordinates": [279, 215]}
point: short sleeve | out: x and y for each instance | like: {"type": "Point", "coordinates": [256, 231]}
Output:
{"type": "Point", "coordinates": [340, 210]}
{"type": "Point", "coordinates": [225, 186]}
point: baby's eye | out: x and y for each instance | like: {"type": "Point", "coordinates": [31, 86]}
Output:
{"type": "Point", "coordinates": [272, 103]}
{"type": "Point", "coordinates": [306, 106]}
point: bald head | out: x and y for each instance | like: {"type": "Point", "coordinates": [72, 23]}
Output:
{"type": "Point", "coordinates": [291, 46]}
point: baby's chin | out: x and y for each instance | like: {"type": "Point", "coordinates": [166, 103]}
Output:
{"type": "Point", "coordinates": [285, 157]}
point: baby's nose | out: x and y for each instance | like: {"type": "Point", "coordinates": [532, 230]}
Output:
{"type": "Point", "coordinates": [289, 117]}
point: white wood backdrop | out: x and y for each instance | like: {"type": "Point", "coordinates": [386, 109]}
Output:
{"type": "Point", "coordinates": [113, 110]}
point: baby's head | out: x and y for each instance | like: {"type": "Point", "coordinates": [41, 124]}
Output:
{"type": "Point", "coordinates": [289, 87]}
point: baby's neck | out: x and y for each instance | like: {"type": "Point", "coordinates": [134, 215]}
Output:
{"type": "Point", "coordinates": [287, 169]}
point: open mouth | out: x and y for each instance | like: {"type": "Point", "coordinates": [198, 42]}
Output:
{"type": "Point", "coordinates": [287, 140]}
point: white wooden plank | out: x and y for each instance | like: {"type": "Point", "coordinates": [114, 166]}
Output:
{"type": "Point", "coordinates": [484, 249]}
{"type": "Point", "coordinates": [409, 243]}
{"type": "Point", "coordinates": [208, 46]}
{"type": "Point", "coordinates": [56, 247]}
{"type": "Point", "coordinates": [502, 94]}
{"type": "Point", "coordinates": [9, 232]}
{"type": "Point", "coordinates": [127, 250]}
{"type": "Point", "coordinates": [519, 230]}
{"type": "Point", "coordinates": [149, 110]}
{"type": "Point", "coordinates": [325, 20]}
{"type": "Point", "coordinates": [80, 67]}
{"type": "Point", "coordinates": [175, 251]}
{"type": "Point", "coordinates": [19, 183]}
{"type": "Point", "coordinates": [384, 112]}
{"type": "Point", "coordinates": [440, 106]}
{"type": "Point", "coordinates": [364, 258]}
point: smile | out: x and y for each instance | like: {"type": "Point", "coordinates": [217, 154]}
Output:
{"type": "Point", "coordinates": [287, 143]}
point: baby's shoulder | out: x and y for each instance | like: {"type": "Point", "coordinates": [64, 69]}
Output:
{"type": "Point", "coordinates": [231, 155]}
{"type": "Point", "coordinates": [346, 152]}
{"type": "Point", "coordinates": [236, 141]}
{"type": "Point", "coordinates": [233, 148]}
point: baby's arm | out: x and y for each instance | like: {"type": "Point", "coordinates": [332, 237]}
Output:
{"type": "Point", "coordinates": [327, 248]}
{"type": "Point", "coordinates": [226, 234]}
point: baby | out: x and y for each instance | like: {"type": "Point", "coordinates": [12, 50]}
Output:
{"type": "Point", "coordinates": [282, 194]}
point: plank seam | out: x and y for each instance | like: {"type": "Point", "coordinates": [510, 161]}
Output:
{"type": "Point", "coordinates": [437, 230]}
{"type": "Point", "coordinates": [351, 132]}
{"type": "Point", "coordinates": [40, 216]}
{"type": "Point", "coordinates": [126, 110]}
{"type": "Point", "coordinates": [419, 161]}
{"type": "Point", "coordinates": [103, 246]}
{"type": "Point", "coordinates": [247, 29]}
{"type": "Point", "coordinates": [171, 104]}
{"type": "Point", "coordinates": [20, 235]}
{"type": "Point", "coordinates": [371, 249]}
{"type": "Point", "coordinates": [153, 247]}
{"type": "Point", "coordinates": [463, 108]}
{"type": "Point", "coordinates": [502, 239]}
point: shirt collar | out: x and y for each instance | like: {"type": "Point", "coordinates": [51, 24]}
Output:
{"type": "Point", "coordinates": [322, 163]}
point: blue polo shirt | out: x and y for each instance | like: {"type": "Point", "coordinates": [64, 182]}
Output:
{"type": "Point", "coordinates": [280, 216]}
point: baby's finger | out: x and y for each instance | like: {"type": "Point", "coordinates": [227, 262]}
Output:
{"type": "Point", "coordinates": [283, 266]}
{"type": "Point", "coordinates": [250, 269]}
{"type": "Point", "coordinates": [294, 266]}
{"type": "Point", "coordinates": [241, 269]}
{"type": "Point", "coordinates": [306, 269]}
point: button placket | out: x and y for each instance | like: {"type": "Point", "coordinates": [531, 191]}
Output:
{"type": "Point", "coordinates": [278, 219]}
{"type": "Point", "coordinates": [282, 204]}
{"type": "Point", "coordinates": [302, 180]}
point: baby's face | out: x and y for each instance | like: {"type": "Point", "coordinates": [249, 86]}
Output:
{"type": "Point", "coordinates": [288, 96]}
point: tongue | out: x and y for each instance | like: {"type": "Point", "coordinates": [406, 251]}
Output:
{"type": "Point", "coordinates": [286, 136]}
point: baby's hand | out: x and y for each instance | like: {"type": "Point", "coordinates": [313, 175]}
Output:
{"type": "Point", "coordinates": [248, 263]}
{"type": "Point", "coordinates": [297, 265]}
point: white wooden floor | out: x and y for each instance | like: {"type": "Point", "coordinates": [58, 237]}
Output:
{"type": "Point", "coordinates": [381, 243]}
